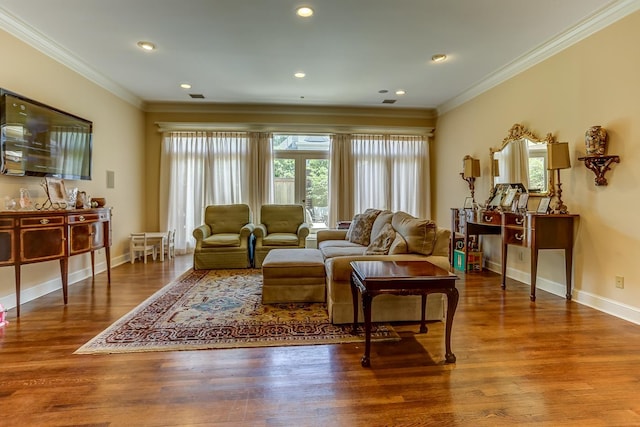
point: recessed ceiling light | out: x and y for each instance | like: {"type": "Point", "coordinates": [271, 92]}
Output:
{"type": "Point", "coordinates": [304, 12]}
{"type": "Point", "coordinates": [300, 74]}
{"type": "Point", "coordinates": [185, 86]}
{"type": "Point", "coordinates": [439, 57]}
{"type": "Point", "coordinates": [147, 46]}
{"type": "Point", "coordinates": [383, 91]}
{"type": "Point", "coordinates": [400, 92]}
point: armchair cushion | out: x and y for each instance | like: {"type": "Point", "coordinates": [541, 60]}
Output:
{"type": "Point", "coordinates": [221, 240]}
{"type": "Point", "coordinates": [280, 239]}
{"type": "Point", "coordinates": [282, 218]}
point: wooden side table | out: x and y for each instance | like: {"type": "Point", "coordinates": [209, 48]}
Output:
{"type": "Point", "coordinates": [372, 278]}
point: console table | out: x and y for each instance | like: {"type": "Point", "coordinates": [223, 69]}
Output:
{"type": "Point", "coordinates": [35, 236]}
{"type": "Point", "coordinates": [538, 231]}
{"type": "Point", "coordinates": [532, 230]}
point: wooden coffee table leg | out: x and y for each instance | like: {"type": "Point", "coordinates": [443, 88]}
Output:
{"type": "Point", "coordinates": [366, 306]}
{"type": "Point", "coordinates": [354, 298]}
{"type": "Point", "coordinates": [452, 304]}
{"type": "Point", "coordinates": [423, 325]}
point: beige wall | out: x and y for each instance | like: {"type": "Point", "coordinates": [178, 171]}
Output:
{"type": "Point", "coordinates": [594, 82]}
{"type": "Point", "coordinates": [117, 146]}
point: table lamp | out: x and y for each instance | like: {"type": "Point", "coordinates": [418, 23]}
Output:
{"type": "Point", "coordinates": [470, 171]}
{"type": "Point", "coordinates": [558, 153]}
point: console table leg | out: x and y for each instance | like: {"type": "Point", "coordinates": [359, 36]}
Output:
{"type": "Point", "coordinates": [452, 304]}
{"type": "Point", "coordinates": [17, 274]}
{"type": "Point", "coordinates": [64, 269]}
{"type": "Point", "coordinates": [568, 261]}
{"type": "Point", "coordinates": [366, 306]}
{"type": "Point", "coordinates": [534, 273]}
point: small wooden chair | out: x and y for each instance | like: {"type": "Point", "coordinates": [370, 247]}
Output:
{"type": "Point", "coordinates": [138, 245]}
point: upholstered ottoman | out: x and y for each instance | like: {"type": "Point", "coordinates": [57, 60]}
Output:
{"type": "Point", "coordinates": [293, 275]}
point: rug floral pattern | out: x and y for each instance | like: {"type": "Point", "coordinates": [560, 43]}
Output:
{"type": "Point", "coordinates": [210, 309]}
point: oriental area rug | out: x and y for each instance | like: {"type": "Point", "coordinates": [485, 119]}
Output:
{"type": "Point", "coordinates": [213, 309]}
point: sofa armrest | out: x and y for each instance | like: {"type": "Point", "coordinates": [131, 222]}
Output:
{"type": "Point", "coordinates": [202, 233]}
{"type": "Point", "coordinates": [260, 230]}
{"type": "Point", "coordinates": [331, 234]}
{"type": "Point", "coordinates": [303, 231]}
{"type": "Point", "coordinates": [246, 231]}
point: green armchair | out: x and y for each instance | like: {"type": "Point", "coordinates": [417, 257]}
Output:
{"type": "Point", "coordinates": [281, 227]}
{"type": "Point", "coordinates": [224, 240]}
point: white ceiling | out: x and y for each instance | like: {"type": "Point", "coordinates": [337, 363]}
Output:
{"type": "Point", "coordinates": [246, 51]}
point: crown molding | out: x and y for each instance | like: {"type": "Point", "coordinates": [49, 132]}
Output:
{"type": "Point", "coordinates": [292, 127]}
{"type": "Point", "coordinates": [14, 26]}
{"type": "Point", "coordinates": [590, 25]}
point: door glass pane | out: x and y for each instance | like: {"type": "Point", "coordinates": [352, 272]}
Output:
{"type": "Point", "coordinates": [317, 190]}
{"type": "Point", "coordinates": [284, 179]}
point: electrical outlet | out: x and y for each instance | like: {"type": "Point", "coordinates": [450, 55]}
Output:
{"type": "Point", "coordinates": [620, 282]}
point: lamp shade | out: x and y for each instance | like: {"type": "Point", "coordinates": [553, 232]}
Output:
{"type": "Point", "coordinates": [471, 168]}
{"type": "Point", "coordinates": [558, 155]}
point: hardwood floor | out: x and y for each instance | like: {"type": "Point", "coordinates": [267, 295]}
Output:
{"type": "Point", "coordinates": [518, 363]}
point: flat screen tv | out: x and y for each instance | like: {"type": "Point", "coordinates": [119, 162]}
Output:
{"type": "Point", "coordinates": [39, 140]}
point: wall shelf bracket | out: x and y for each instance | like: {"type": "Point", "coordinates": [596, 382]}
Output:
{"type": "Point", "coordinates": [599, 165]}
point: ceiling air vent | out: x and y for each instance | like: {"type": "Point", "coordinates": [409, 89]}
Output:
{"type": "Point", "coordinates": [389, 101]}
{"type": "Point", "coordinates": [196, 95]}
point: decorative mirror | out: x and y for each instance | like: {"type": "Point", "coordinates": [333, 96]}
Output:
{"type": "Point", "coordinates": [523, 158]}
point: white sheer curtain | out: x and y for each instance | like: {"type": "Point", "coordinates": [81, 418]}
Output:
{"type": "Point", "coordinates": [203, 168]}
{"type": "Point", "coordinates": [260, 172]}
{"type": "Point", "coordinates": [391, 172]}
{"type": "Point", "coordinates": [514, 163]}
{"type": "Point", "coordinates": [340, 179]}
{"type": "Point", "coordinates": [182, 185]}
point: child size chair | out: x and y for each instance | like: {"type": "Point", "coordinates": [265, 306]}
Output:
{"type": "Point", "coordinates": [139, 246]}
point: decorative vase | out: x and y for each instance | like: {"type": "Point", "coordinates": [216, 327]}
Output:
{"type": "Point", "coordinates": [595, 141]}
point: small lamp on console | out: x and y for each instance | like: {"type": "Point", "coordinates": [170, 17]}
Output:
{"type": "Point", "coordinates": [558, 159]}
{"type": "Point", "coordinates": [470, 171]}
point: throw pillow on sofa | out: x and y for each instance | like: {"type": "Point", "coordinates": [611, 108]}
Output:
{"type": "Point", "coordinates": [360, 228]}
{"type": "Point", "coordinates": [381, 244]}
{"type": "Point", "coordinates": [420, 234]}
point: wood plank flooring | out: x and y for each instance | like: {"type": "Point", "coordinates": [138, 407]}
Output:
{"type": "Point", "coordinates": [547, 363]}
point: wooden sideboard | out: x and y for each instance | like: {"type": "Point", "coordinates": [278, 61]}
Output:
{"type": "Point", "coordinates": [532, 230]}
{"type": "Point", "coordinates": [35, 236]}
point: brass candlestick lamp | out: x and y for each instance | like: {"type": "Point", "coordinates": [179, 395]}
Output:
{"type": "Point", "coordinates": [470, 171]}
{"type": "Point", "coordinates": [558, 153]}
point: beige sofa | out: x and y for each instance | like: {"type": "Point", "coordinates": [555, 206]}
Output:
{"type": "Point", "coordinates": [403, 237]}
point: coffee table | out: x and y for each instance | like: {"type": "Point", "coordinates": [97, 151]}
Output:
{"type": "Point", "coordinates": [372, 278]}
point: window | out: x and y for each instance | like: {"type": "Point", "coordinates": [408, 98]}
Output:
{"type": "Point", "coordinates": [301, 174]}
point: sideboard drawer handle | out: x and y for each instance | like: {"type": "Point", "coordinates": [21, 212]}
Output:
{"type": "Point", "coordinates": [487, 218]}
{"type": "Point", "coordinates": [81, 218]}
{"type": "Point", "coordinates": [519, 236]}
{"type": "Point", "coordinates": [44, 221]}
{"type": "Point", "coordinates": [519, 221]}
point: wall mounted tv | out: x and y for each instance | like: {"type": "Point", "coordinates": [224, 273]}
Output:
{"type": "Point", "coordinates": [38, 140]}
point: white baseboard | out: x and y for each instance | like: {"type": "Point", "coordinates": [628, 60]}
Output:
{"type": "Point", "coordinates": [33, 292]}
{"type": "Point", "coordinates": [606, 305]}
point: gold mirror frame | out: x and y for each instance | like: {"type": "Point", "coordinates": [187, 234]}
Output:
{"type": "Point", "coordinates": [518, 132]}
